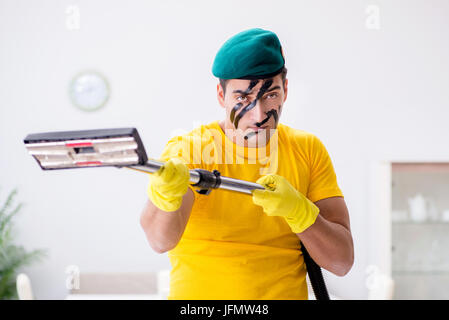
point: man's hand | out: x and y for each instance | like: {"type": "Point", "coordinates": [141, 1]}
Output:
{"type": "Point", "coordinates": [280, 198]}
{"type": "Point", "coordinates": [168, 185]}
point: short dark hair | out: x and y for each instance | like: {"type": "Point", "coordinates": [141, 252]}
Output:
{"type": "Point", "coordinates": [283, 73]}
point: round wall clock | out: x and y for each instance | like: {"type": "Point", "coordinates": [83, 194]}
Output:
{"type": "Point", "coordinates": [89, 91]}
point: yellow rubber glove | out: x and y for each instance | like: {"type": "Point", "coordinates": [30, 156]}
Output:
{"type": "Point", "coordinates": [168, 185]}
{"type": "Point", "coordinates": [280, 198]}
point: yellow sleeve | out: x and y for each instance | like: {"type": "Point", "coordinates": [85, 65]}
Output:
{"type": "Point", "coordinates": [180, 147]}
{"type": "Point", "coordinates": [323, 181]}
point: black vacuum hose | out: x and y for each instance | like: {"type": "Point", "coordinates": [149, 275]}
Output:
{"type": "Point", "coordinates": [315, 276]}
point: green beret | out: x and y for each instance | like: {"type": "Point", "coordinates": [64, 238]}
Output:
{"type": "Point", "coordinates": [250, 54]}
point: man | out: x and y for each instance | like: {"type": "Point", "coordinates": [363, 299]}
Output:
{"type": "Point", "coordinates": [228, 245]}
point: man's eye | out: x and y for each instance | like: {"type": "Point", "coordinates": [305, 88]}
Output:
{"type": "Point", "coordinates": [241, 98]}
{"type": "Point", "coordinates": [272, 95]}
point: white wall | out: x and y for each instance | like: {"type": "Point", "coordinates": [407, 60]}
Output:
{"type": "Point", "coordinates": [368, 94]}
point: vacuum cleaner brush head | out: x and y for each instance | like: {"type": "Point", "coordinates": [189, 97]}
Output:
{"type": "Point", "coordinates": [86, 148]}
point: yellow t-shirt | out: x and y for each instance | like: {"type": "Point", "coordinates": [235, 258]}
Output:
{"type": "Point", "coordinates": [230, 248]}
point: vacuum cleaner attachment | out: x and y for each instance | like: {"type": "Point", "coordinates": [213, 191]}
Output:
{"type": "Point", "coordinates": [88, 148]}
{"type": "Point", "coordinates": [122, 147]}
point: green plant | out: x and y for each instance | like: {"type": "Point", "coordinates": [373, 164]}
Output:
{"type": "Point", "coordinates": [12, 257]}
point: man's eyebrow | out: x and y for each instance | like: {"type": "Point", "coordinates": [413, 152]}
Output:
{"type": "Point", "coordinates": [244, 92]}
{"type": "Point", "coordinates": [274, 88]}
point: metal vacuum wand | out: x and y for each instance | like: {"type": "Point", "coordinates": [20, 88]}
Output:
{"type": "Point", "coordinates": [205, 180]}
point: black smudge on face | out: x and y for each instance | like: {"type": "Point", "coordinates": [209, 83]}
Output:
{"type": "Point", "coordinates": [234, 110]}
{"type": "Point", "coordinates": [249, 135]}
{"type": "Point", "coordinates": [267, 84]}
{"type": "Point", "coordinates": [275, 115]}
{"type": "Point", "coordinates": [252, 84]}
{"type": "Point", "coordinates": [270, 113]}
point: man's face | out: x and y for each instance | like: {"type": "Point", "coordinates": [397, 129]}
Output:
{"type": "Point", "coordinates": [253, 108]}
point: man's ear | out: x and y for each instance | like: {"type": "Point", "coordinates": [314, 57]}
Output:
{"type": "Point", "coordinates": [285, 89]}
{"type": "Point", "coordinates": [220, 95]}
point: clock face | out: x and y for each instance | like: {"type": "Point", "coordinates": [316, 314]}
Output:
{"type": "Point", "coordinates": [89, 91]}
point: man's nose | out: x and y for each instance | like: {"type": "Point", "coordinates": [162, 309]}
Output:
{"type": "Point", "coordinates": [258, 112]}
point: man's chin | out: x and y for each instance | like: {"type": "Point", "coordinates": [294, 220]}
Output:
{"type": "Point", "coordinates": [257, 138]}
